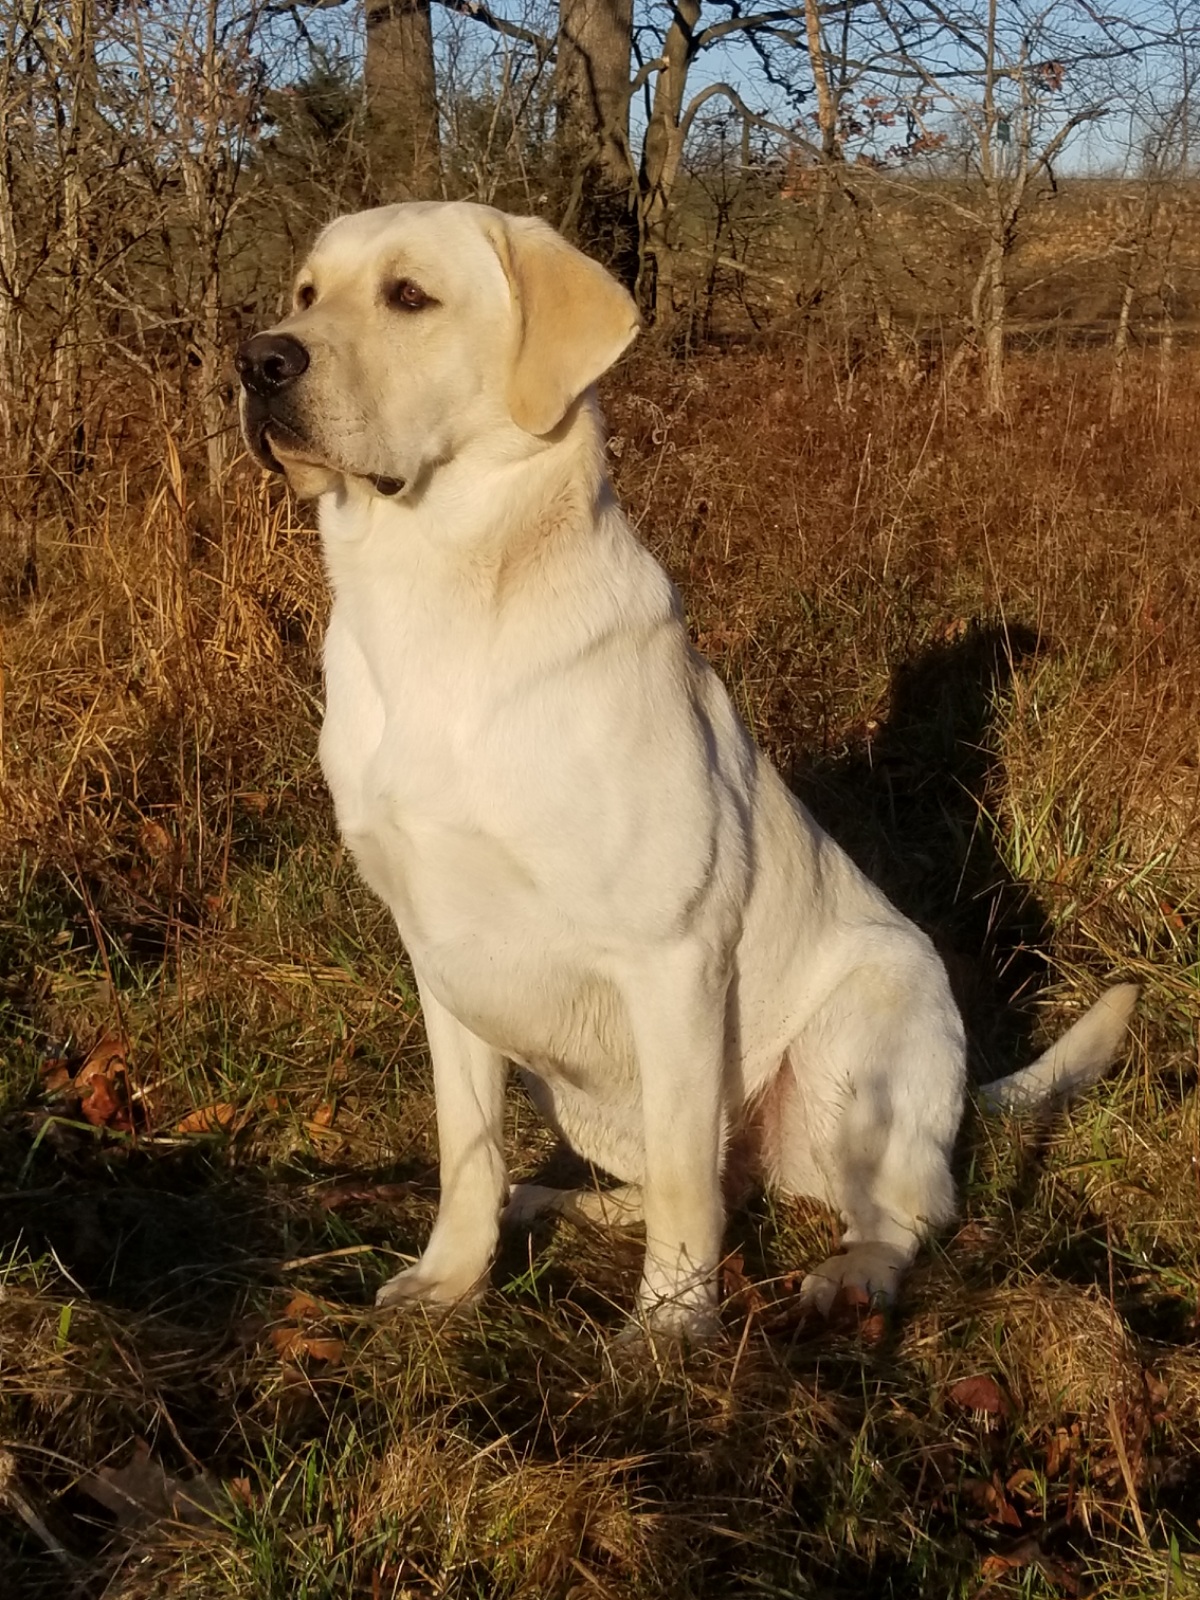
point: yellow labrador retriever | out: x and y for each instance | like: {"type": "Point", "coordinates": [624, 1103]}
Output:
{"type": "Point", "coordinates": [597, 874]}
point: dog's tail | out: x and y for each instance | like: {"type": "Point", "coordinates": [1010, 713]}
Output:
{"type": "Point", "coordinates": [1081, 1057]}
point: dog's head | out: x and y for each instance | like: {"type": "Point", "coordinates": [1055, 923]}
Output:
{"type": "Point", "coordinates": [417, 329]}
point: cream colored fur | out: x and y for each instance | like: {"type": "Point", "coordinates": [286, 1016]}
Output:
{"type": "Point", "coordinates": [596, 873]}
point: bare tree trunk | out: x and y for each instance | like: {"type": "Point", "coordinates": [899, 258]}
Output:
{"type": "Point", "coordinates": [1116, 397]}
{"type": "Point", "coordinates": [662, 150]}
{"type": "Point", "coordinates": [991, 290]}
{"type": "Point", "coordinates": [76, 71]}
{"type": "Point", "coordinates": [1138, 245]}
{"type": "Point", "coordinates": [214, 404]}
{"type": "Point", "coordinates": [994, 302]}
{"type": "Point", "coordinates": [10, 267]}
{"type": "Point", "coordinates": [830, 152]}
{"type": "Point", "coordinates": [402, 105]}
{"type": "Point", "coordinates": [16, 529]}
{"type": "Point", "coordinates": [1166, 331]}
{"type": "Point", "coordinates": [592, 96]}
{"type": "Point", "coordinates": [201, 169]}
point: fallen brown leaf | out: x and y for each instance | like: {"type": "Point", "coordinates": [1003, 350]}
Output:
{"type": "Point", "coordinates": [320, 1124]}
{"type": "Point", "coordinates": [852, 1311]}
{"type": "Point", "coordinates": [290, 1341]}
{"type": "Point", "coordinates": [303, 1308]}
{"type": "Point", "coordinates": [1027, 1553]}
{"type": "Point", "coordinates": [56, 1076]}
{"type": "Point", "coordinates": [154, 839]}
{"type": "Point", "coordinates": [220, 1117]}
{"type": "Point", "coordinates": [102, 1084]}
{"type": "Point", "coordinates": [1061, 1448]}
{"type": "Point", "coordinates": [1171, 915]}
{"type": "Point", "coordinates": [872, 1330]}
{"type": "Point", "coordinates": [1025, 1482]}
{"type": "Point", "coordinates": [744, 1295]}
{"type": "Point", "coordinates": [108, 1057]}
{"type": "Point", "coordinates": [101, 1105]}
{"type": "Point", "coordinates": [290, 1344]}
{"type": "Point", "coordinates": [979, 1394]}
{"type": "Point", "coordinates": [989, 1497]}
{"type": "Point", "coordinates": [143, 1492]}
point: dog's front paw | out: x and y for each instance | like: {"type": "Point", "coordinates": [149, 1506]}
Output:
{"type": "Point", "coordinates": [687, 1313]}
{"type": "Point", "coordinates": [417, 1286]}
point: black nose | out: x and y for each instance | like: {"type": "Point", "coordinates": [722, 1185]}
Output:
{"type": "Point", "coordinates": [269, 362]}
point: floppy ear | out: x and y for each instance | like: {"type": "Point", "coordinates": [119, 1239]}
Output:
{"type": "Point", "coordinates": [573, 320]}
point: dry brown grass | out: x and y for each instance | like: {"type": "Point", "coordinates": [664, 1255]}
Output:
{"type": "Point", "coordinates": [974, 649]}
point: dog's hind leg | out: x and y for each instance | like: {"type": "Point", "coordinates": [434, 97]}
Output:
{"type": "Point", "coordinates": [866, 1118]}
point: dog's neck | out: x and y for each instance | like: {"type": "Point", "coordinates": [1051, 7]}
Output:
{"type": "Point", "coordinates": [507, 504]}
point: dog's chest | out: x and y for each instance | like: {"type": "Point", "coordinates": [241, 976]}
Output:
{"type": "Point", "coordinates": [451, 820]}
{"type": "Point", "coordinates": [480, 935]}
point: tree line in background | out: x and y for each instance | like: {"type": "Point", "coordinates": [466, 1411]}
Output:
{"type": "Point", "coordinates": [864, 170]}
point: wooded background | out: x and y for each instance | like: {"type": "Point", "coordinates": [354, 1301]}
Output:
{"type": "Point", "coordinates": [897, 178]}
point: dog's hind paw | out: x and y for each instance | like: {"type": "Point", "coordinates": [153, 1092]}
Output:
{"type": "Point", "coordinates": [866, 1275]}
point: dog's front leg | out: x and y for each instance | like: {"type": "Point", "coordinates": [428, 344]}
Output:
{"type": "Point", "coordinates": [677, 1011]}
{"type": "Point", "coordinates": [468, 1082]}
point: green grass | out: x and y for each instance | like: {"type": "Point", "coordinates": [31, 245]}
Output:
{"type": "Point", "coordinates": [988, 691]}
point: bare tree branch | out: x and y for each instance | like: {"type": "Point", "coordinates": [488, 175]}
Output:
{"type": "Point", "coordinates": [477, 10]}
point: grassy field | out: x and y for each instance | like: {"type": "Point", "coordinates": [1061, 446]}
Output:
{"type": "Point", "coordinates": [974, 649]}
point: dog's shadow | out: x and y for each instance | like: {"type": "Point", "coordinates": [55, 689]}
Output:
{"type": "Point", "coordinates": [912, 801]}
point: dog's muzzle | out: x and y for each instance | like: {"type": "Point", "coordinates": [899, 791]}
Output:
{"type": "Point", "coordinates": [268, 365]}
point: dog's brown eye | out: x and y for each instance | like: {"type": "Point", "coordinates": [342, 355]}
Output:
{"type": "Point", "coordinates": [405, 295]}
{"type": "Point", "coordinates": [305, 295]}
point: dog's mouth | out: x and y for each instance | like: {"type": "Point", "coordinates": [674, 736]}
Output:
{"type": "Point", "coordinates": [262, 430]}
{"type": "Point", "coordinates": [272, 433]}
{"type": "Point", "coordinates": [278, 447]}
